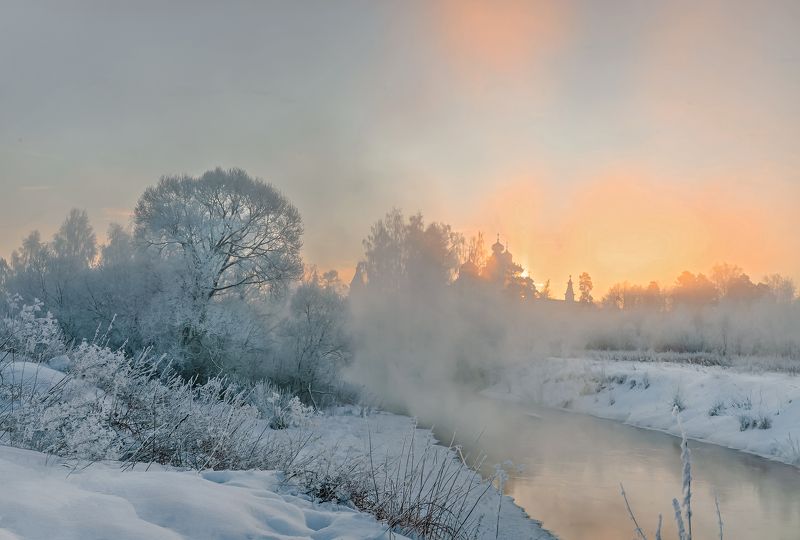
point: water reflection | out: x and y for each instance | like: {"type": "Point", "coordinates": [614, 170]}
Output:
{"type": "Point", "coordinates": [575, 463]}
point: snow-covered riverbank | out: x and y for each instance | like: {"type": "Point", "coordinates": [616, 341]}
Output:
{"type": "Point", "coordinates": [757, 413]}
{"type": "Point", "coordinates": [44, 497]}
{"type": "Point", "coordinates": [294, 472]}
{"type": "Point", "coordinates": [391, 436]}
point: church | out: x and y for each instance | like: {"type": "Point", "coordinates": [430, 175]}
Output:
{"type": "Point", "coordinates": [502, 272]}
{"type": "Point", "coordinates": [569, 295]}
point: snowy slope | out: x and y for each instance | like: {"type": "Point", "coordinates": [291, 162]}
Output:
{"type": "Point", "coordinates": [41, 498]}
{"type": "Point", "coordinates": [758, 413]}
{"type": "Point", "coordinates": [29, 376]}
{"type": "Point", "coordinates": [391, 434]}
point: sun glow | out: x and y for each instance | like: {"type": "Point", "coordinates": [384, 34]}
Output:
{"type": "Point", "coordinates": [637, 226]}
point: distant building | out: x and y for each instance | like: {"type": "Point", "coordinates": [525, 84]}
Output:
{"type": "Point", "coordinates": [569, 295]}
{"type": "Point", "coordinates": [359, 278]}
{"type": "Point", "coordinates": [501, 268]}
{"type": "Point", "coordinates": [469, 270]}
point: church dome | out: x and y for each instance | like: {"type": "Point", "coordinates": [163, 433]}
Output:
{"type": "Point", "coordinates": [497, 247]}
{"type": "Point", "coordinates": [469, 269]}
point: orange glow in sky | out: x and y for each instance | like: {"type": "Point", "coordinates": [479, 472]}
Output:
{"type": "Point", "coordinates": [630, 226]}
{"type": "Point", "coordinates": [629, 139]}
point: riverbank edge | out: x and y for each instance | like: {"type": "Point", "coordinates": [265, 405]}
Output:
{"type": "Point", "coordinates": [754, 413]}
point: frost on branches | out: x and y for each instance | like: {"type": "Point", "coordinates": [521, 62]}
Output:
{"type": "Point", "coordinates": [110, 406]}
{"type": "Point", "coordinates": [25, 331]}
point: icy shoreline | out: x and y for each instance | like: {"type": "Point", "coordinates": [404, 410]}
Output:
{"type": "Point", "coordinates": [757, 413]}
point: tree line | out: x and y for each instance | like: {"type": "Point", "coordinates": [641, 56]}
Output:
{"type": "Point", "coordinates": [209, 274]}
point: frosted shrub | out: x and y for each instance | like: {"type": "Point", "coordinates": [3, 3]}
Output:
{"type": "Point", "coordinates": [678, 402]}
{"type": "Point", "coordinates": [429, 494]}
{"type": "Point", "coordinates": [110, 406]}
{"type": "Point", "coordinates": [63, 419]}
{"type": "Point", "coordinates": [280, 408]}
{"type": "Point", "coordinates": [717, 408]}
{"type": "Point", "coordinates": [25, 331]}
{"type": "Point", "coordinates": [747, 421]}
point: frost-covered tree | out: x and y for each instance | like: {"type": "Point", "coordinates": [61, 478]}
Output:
{"type": "Point", "coordinates": [73, 249]}
{"type": "Point", "coordinates": [222, 234]}
{"type": "Point", "coordinates": [29, 267]}
{"type": "Point", "coordinates": [227, 230]}
{"type": "Point", "coordinates": [75, 243]}
{"type": "Point", "coordinates": [315, 341]}
{"type": "Point", "coordinates": [5, 272]}
{"type": "Point", "coordinates": [120, 248]}
{"type": "Point", "coordinates": [32, 253]}
{"type": "Point", "coordinates": [56, 272]}
{"type": "Point", "coordinates": [125, 288]}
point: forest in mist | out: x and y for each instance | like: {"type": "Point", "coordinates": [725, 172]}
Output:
{"type": "Point", "coordinates": [209, 274]}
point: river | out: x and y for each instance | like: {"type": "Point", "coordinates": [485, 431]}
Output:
{"type": "Point", "coordinates": [573, 465]}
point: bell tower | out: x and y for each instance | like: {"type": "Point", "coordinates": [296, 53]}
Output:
{"type": "Point", "coordinates": [569, 295]}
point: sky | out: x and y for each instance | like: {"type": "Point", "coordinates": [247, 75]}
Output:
{"type": "Point", "coordinates": [629, 139]}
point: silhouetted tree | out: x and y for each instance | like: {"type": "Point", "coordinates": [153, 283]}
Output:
{"type": "Point", "coordinates": [615, 297]}
{"type": "Point", "coordinates": [724, 276]}
{"type": "Point", "coordinates": [545, 293]}
{"type": "Point", "coordinates": [781, 288]}
{"type": "Point", "coordinates": [693, 290]}
{"type": "Point", "coordinates": [742, 289]}
{"type": "Point", "coordinates": [476, 251]}
{"type": "Point", "coordinates": [653, 297]}
{"type": "Point", "coordinates": [399, 253]}
{"type": "Point", "coordinates": [585, 287]}
{"type": "Point", "coordinates": [628, 297]}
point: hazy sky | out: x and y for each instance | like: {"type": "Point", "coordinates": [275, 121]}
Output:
{"type": "Point", "coordinates": [631, 139]}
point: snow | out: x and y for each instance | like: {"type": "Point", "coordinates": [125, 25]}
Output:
{"type": "Point", "coordinates": [344, 434]}
{"type": "Point", "coordinates": [757, 413]}
{"type": "Point", "coordinates": [46, 496]}
{"type": "Point", "coordinates": [30, 376]}
{"type": "Point", "coordinates": [42, 498]}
